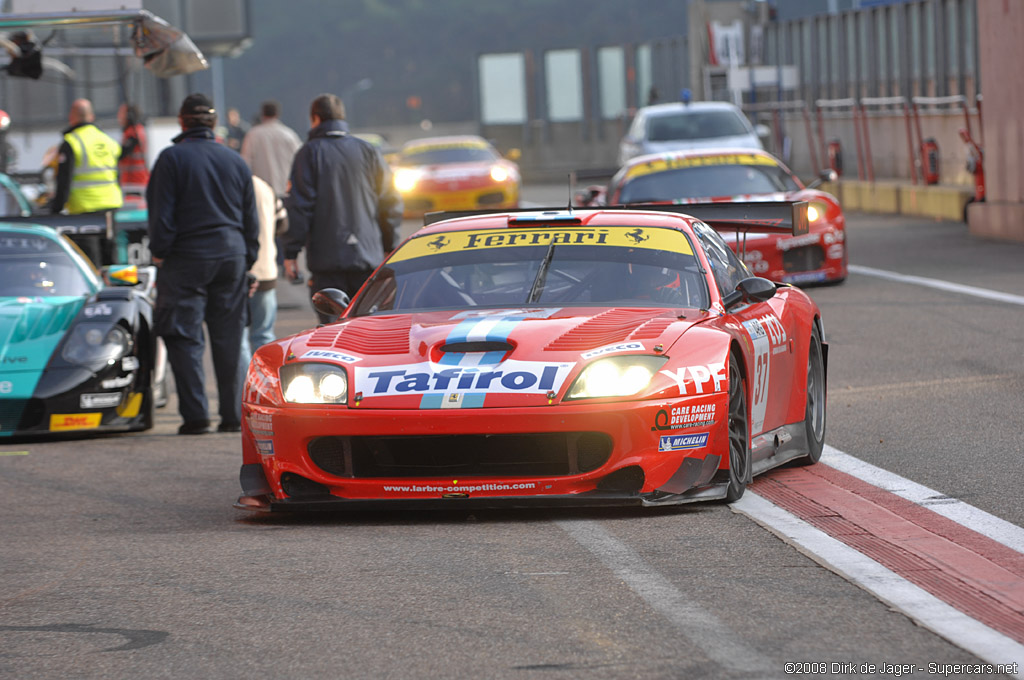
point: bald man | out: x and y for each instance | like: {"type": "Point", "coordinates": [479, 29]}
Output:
{"type": "Point", "coordinates": [87, 176]}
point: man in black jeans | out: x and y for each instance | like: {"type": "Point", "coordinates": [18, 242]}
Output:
{"type": "Point", "coordinates": [204, 237]}
{"type": "Point", "coordinates": [342, 206]}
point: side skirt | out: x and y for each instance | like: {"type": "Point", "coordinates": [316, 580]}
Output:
{"type": "Point", "coordinates": [775, 448]}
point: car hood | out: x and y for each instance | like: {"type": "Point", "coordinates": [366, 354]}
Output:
{"type": "Point", "coordinates": [31, 328]}
{"type": "Point", "coordinates": [493, 358]}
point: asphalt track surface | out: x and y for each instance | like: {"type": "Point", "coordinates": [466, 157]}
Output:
{"type": "Point", "coordinates": [899, 556]}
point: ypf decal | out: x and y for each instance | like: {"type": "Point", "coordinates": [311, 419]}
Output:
{"type": "Point", "coordinates": [698, 379]}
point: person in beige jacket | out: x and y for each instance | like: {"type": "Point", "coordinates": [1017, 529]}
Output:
{"type": "Point", "coordinates": [263, 303]}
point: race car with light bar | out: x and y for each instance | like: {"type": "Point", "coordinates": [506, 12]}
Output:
{"type": "Point", "coordinates": [77, 355]}
{"type": "Point", "coordinates": [615, 356]}
{"type": "Point", "coordinates": [722, 175]}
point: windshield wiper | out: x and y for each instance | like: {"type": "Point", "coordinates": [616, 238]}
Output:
{"type": "Point", "coordinates": [542, 275]}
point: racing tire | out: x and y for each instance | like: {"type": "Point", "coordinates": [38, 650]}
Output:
{"type": "Point", "coordinates": [739, 433]}
{"type": "Point", "coordinates": [814, 411]}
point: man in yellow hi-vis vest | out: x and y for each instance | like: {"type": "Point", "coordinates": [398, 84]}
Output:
{"type": "Point", "coordinates": [87, 177]}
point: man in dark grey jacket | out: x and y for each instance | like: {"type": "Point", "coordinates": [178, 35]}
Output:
{"type": "Point", "coordinates": [204, 236]}
{"type": "Point", "coordinates": [342, 205]}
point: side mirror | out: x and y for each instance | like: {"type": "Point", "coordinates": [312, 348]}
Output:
{"type": "Point", "coordinates": [130, 275]}
{"type": "Point", "coordinates": [589, 197]}
{"type": "Point", "coordinates": [826, 175]}
{"type": "Point", "coordinates": [762, 131]}
{"type": "Point", "coordinates": [330, 301]}
{"type": "Point", "coordinates": [753, 289]}
{"type": "Point", "coordinates": [514, 154]}
{"type": "Point", "coordinates": [121, 274]}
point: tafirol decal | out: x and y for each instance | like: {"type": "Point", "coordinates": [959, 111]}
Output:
{"type": "Point", "coordinates": [510, 377]}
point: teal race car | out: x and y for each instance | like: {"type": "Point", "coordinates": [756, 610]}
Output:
{"type": "Point", "coordinates": [77, 349]}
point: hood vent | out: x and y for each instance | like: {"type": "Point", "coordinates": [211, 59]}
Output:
{"type": "Point", "coordinates": [612, 326]}
{"type": "Point", "coordinates": [367, 335]}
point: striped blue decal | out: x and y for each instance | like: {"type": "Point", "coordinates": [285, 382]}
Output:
{"type": "Point", "coordinates": [486, 327]}
{"type": "Point", "coordinates": [432, 401]}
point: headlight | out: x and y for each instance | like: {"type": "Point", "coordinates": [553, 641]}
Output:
{"type": "Point", "coordinates": [499, 174]}
{"type": "Point", "coordinates": [314, 384]}
{"type": "Point", "coordinates": [96, 345]}
{"type": "Point", "coordinates": [620, 376]}
{"type": "Point", "coordinates": [405, 179]}
{"type": "Point", "coordinates": [816, 211]}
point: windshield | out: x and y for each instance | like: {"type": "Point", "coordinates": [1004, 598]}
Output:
{"type": "Point", "coordinates": [35, 266]}
{"type": "Point", "coordinates": [705, 182]}
{"type": "Point", "coordinates": [611, 266]}
{"type": "Point", "coordinates": [695, 125]}
{"type": "Point", "coordinates": [437, 155]}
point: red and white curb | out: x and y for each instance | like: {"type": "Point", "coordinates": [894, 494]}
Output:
{"type": "Point", "coordinates": [952, 568]}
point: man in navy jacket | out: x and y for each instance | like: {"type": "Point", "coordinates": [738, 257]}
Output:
{"type": "Point", "coordinates": [342, 205]}
{"type": "Point", "coordinates": [204, 237]}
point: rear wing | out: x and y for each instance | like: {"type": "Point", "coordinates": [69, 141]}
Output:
{"type": "Point", "coordinates": [759, 217]}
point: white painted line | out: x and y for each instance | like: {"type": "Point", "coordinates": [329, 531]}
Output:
{"type": "Point", "coordinates": [999, 530]}
{"type": "Point", "coordinates": [938, 284]}
{"type": "Point", "coordinates": [706, 632]}
{"type": "Point", "coordinates": [921, 606]}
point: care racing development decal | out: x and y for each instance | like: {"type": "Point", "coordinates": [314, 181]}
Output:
{"type": "Point", "coordinates": [685, 416]}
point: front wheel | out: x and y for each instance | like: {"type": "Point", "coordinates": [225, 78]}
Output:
{"type": "Point", "coordinates": [739, 433]}
{"type": "Point", "coordinates": [814, 412]}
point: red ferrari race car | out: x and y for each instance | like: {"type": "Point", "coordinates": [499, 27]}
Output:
{"type": "Point", "coordinates": [682, 177]}
{"type": "Point", "coordinates": [595, 357]}
{"type": "Point", "coordinates": [462, 172]}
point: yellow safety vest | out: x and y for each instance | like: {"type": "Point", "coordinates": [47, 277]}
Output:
{"type": "Point", "coordinates": [94, 184]}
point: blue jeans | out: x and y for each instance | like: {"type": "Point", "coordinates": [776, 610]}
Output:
{"type": "Point", "coordinates": [262, 315]}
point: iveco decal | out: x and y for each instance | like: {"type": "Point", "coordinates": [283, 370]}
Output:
{"type": "Point", "coordinates": [328, 354]}
{"type": "Point", "coordinates": [510, 377]}
{"type": "Point", "coordinates": [609, 349]}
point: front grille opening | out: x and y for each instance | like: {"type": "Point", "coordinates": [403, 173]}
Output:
{"type": "Point", "coordinates": [491, 198]}
{"type": "Point", "coordinates": [297, 486]}
{"type": "Point", "coordinates": [628, 479]}
{"type": "Point", "coordinates": [803, 259]}
{"type": "Point", "coordinates": [329, 454]}
{"type": "Point", "coordinates": [555, 454]}
{"type": "Point", "coordinates": [592, 451]}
